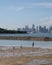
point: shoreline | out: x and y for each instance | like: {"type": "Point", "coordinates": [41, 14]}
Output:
{"type": "Point", "coordinates": [25, 56]}
{"type": "Point", "coordinates": [25, 38]}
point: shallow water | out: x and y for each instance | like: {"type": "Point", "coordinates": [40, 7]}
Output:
{"type": "Point", "coordinates": [26, 43]}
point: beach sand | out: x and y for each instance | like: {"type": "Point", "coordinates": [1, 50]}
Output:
{"type": "Point", "coordinates": [25, 56]}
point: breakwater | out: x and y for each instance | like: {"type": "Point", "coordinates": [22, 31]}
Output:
{"type": "Point", "coordinates": [25, 38]}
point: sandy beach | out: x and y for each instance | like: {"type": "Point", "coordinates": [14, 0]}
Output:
{"type": "Point", "coordinates": [25, 56]}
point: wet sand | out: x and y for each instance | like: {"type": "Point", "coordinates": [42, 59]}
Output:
{"type": "Point", "coordinates": [25, 38]}
{"type": "Point", "coordinates": [25, 56]}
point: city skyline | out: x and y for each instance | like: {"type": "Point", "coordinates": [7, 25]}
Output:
{"type": "Point", "coordinates": [27, 29]}
{"type": "Point", "coordinates": [35, 29]}
{"type": "Point", "coordinates": [18, 13]}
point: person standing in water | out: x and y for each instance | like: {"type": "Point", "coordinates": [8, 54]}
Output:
{"type": "Point", "coordinates": [33, 44]}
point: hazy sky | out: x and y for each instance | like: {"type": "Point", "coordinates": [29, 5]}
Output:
{"type": "Point", "coordinates": [18, 13]}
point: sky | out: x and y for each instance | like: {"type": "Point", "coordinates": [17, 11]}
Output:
{"type": "Point", "coordinates": [18, 13]}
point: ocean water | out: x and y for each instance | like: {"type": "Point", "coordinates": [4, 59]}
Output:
{"type": "Point", "coordinates": [26, 43]}
{"type": "Point", "coordinates": [33, 35]}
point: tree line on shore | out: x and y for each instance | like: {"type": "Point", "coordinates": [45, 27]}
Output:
{"type": "Point", "coordinates": [2, 30]}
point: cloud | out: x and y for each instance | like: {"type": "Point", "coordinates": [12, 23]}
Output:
{"type": "Point", "coordinates": [30, 5]}
{"type": "Point", "coordinates": [46, 21]}
{"type": "Point", "coordinates": [19, 9]}
{"type": "Point", "coordinates": [16, 8]}
{"type": "Point", "coordinates": [47, 4]}
{"type": "Point", "coordinates": [40, 4]}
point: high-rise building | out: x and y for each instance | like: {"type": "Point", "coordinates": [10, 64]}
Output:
{"type": "Point", "coordinates": [50, 29]}
{"type": "Point", "coordinates": [33, 28]}
{"type": "Point", "coordinates": [26, 28]}
{"type": "Point", "coordinates": [37, 29]}
{"type": "Point", "coordinates": [43, 29]}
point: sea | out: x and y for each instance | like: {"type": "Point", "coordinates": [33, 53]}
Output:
{"type": "Point", "coordinates": [27, 43]}
{"type": "Point", "coordinates": [32, 35]}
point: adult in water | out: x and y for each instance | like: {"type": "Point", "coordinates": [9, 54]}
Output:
{"type": "Point", "coordinates": [33, 44]}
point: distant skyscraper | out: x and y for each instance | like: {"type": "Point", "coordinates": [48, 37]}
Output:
{"type": "Point", "coordinates": [18, 29]}
{"type": "Point", "coordinates": [43, 29]}
{"type": "Point", "coordinates": [50, 29]}
{"type": "Point", "coordinates": [33, 28]}
{"type": "Point", "coordinates": [37, 30]}
{"type": "Point", "coordinates": [26, 28]}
